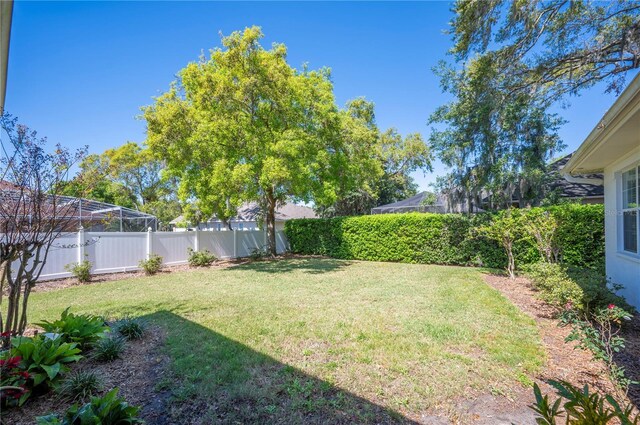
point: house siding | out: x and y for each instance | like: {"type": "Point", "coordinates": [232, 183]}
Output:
{"type": "Point", "coordinates": [621, 268]}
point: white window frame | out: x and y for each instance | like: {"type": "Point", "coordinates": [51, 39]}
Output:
{"type": "Point", "coordinates": [622, 210]}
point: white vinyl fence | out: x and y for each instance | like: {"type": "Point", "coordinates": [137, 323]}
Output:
{"type": "Point", "coordinates": [112, 252]}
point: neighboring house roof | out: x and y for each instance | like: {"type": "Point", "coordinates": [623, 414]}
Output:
{"type": "Point", "coordinates": [178, 219]}
{"type": "Point", "coordinates": [5, 185]}
{"type": "Point", "coordinates": [415, 203]}
{"type": "Point", "coordinates": [617, 134]}
{"type": "Point", "coordinates": [574, 189]}
{"type": "Point", "coordinates": [251, 212]}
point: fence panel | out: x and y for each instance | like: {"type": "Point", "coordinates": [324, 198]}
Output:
{"type": "Point", "coordinates": [116, 251]}
{"type": "Point", "coordinates": [219, 243]}
{"type": "Point", "coordinates": [248, 241]}
{"type": "Point", "coordinates": [111, 252]}
{"type": "Point", "coordinates": [282, 245]}
{"type": "Point", "coordinates": [172, 246]}
{"type": "Point", "coordinates": [63, 251]}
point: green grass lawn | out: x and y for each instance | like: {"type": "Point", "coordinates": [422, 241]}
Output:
{"type": "Point", "coordinates": [319, 340]}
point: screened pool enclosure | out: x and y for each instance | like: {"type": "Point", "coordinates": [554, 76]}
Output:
{"type": "Point", "coordinates": [95, 216]}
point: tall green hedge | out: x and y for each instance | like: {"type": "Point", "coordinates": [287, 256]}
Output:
{"type": "Point", "coordinates": [445, 238]}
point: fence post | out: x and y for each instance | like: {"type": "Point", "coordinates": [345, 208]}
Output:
{"type": "Point", "coordinates": [196, 243]}
{"type": "Point", "coordinates": [149, 242]}
{"type": "Point", "coordinates": [235, 243]}
{"type": "Point", "coordinates": [80, 244]}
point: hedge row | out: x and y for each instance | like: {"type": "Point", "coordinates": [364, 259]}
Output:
{"type": "Point", "coordinates": [445, 238]}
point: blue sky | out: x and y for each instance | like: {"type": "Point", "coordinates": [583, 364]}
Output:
{"type": "Point", "coordinates": [80, 71]}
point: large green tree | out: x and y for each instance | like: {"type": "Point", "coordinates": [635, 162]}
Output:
{"type": "Point", "coordinates": [397, 157]}
{"type": "Point", "coordinates": [243, 125]}
{"type": "Point", "coordinates": [128, 176]}
{"type": "Point", "coordinates": [512, 61]}
{"type": "Point", "coordinates": [494, 142]}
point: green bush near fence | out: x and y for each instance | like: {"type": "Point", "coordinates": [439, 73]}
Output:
{"type": "Point", "coordinates": [446, 238]}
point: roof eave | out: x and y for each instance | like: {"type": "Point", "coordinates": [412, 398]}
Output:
{"type": "Point", "coordinates": [6, 11]}
{"type": "Point", "coordinates": [600, 132]}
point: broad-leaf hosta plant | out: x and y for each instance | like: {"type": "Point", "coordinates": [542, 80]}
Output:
{"type": "Point", "coordinates": [43, 357]}
{"type": "Point", "coordinates": [83, 329]}
{"type": "Point", "coordinates": [106, 410]}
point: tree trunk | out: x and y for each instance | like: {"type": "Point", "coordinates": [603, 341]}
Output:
{"type": "Point", "coordinates": [511, 267]}
{"type": "Point", "coordinates": [270, 221]}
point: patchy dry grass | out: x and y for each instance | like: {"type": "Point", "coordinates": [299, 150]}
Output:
{"type": "Point", "coordinates": [322, 340]}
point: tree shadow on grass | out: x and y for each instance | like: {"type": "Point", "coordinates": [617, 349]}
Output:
{"type": "Point", "coordinates": [217, 380]}
{"type": "Point", "coordinates": [306, 265]}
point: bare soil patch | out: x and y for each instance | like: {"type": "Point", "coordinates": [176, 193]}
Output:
{"type": "Point", "coordinates": [137, 374]}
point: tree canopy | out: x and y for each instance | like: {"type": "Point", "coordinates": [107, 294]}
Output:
{"type": "Point", "coordinates": [552, 48]}
{"type": "Point", "coordinates": [512, 61]}
{"type": "Point", "coordinates": [243, 125]}
{"type": "Point", "coordinates": [128, 176]}
{"type": "Point", "coordinates": [398, 157]}
{"type": "Point", "coordinates": [494, 143]}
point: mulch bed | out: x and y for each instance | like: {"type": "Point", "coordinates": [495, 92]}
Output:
{"type": "Point", "coordinates": [52, 285]}
{"type": "Point", "coordinates": [564, 361]}
{"type": "Point", "coordinates": [141, 368]}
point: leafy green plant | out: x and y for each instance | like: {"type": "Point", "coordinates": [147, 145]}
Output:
{"type": "Point", "coordinates": [448, 238]}
{"type": "Point", "coordinates": [83, 329]}
{"type": "Point", "coordinates": [200, 258]}
{"type": "Point", "coordinates": [555, 286]}
{"type": "Point", "coordinates": [108, 349]}
{"type": "Point", "coordinates": [106, 410]}
{"type": "Point", "coordinates": [44, 357]}
{"type": "Point", "coordinates": [151, 265]}
{"type": "Point", "coordinates": [583, 289]}
{"type": "Point", "coordinates": [13, 382]}
{"type": "Point", "coordinates": [579, 406]}
{"type": "Point", "coordinates": [506, 229]}
{"type": "Point", "coordinates": [258, 253]}
{"type": "Point", "coordinates": [81, 270]}
{"type": "Point", "coordinates": [599, 332]}
{"type": "Point", "coordinates": [543, 227]}
{"type": "Point", "coordinates": [130, 328]}
{"type": "Point", "coordinates": [79, 385]}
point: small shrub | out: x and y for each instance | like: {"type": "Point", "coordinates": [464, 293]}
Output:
{"type": "Point", "coordinates": [83, 329]}
{"type": "Point", "coordinates": [43, 357]}
{"type": "Point", "coordinates": [79, 385]}
{"type": "Point", "coordinates": [81, 270]}
{"type": "Point", "coordinates": [108, 349]}
{"type": "Point", "coordinates": [543, 227]}
{"type": "Point", "coordinates": [579, 406]}
{"type": "Point", "coordinates": [597, 290]}
{"type": "Point", "coordinates": [151, 265]}
{"type": "Point", "coordinates": [130, 328]}
{"type": "Point", "coordinates": [200, 258]}
{"type": "Point", "coordinates": [555, 286]}
{"type": "Point", "coordinates": [106, 410]}
{"type": "Point", "coordinates": [584, 289]}
{"type": "Point", "coordinates": [13, 382]}
{"type": "Point", "coordinates": [258, 254]}
{"type": "Point", "coordinates": [599, 332]}
{"type": "Point", "coordinates": [506, 229]}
